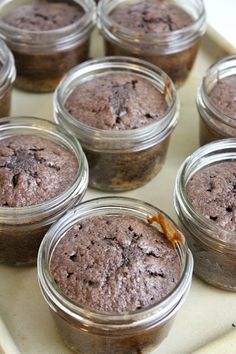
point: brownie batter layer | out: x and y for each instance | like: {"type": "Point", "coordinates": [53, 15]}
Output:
{"type": "Point", "coordinates": [223, 95]}
{"type": "Point", "coordinates": [116, 101]}
{"type": "Point", "coordinates": [43, 15]}
{"type": "Point", "coordinates": [33, 169]}
{"type": "Point", "coordinates": [212, 192]}
{"type": "Point", "coordinates": [151, 16]}
{"type": "Point", "coordinates": [115, 264]}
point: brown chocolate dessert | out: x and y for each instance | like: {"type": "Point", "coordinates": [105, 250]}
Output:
{"type": "Point", "coordinates": [41, 67]}
{"type": "Point", "coordinates": [154, 17]}
{"type": "Point", "coordinates": [116, 102]}
{"type": "Point", "coordinates": [119, 102]}
{"type": "Point", "coordinates": [212, 193]}
{"type": "Point", "coordinates": [223, 95]}
{"type": "Point", "coordinates": [43, 15]}
{"type": "Point", "coordinates": [115, 264]}
{"type": "Point", "coordinates": [223, 124]}
{"type": "Point", "coordinates": [32, 170]}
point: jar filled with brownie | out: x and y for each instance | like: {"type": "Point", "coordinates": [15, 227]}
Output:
{"type": "Point", "coordinates": [113, 279]}
{"type": "Point", "coordinates": [205, 203]}
{"type": "Point", "coordinates": [47, 38]}
{"type": "Point", "coordinates": [123, 111]}
{"type": "Point", "coordinates": [216, 102]}
{"type": "Point", "coordinates": [7, 77]}
{"type": "Point", "coordinates": [164, 32]}
{"type": "Point", "coordinates": [43, 173]}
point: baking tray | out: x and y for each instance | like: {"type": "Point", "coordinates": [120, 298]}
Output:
{"type": "Point", "coordinates": [207, 313]}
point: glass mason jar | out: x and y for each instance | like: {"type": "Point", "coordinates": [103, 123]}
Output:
{"type": "Point", "coordinates": [89, 331]}
{"type": "Point", "coordinates": [7, 77]}
{"type": "Point", "coordinates": [213, 248]}
{"type": "Point", "coordinates": [174, 52]}
{"type": "Point", "coordinates": [123, 159]}
{"type": "Point", "coordinates": [214, 123]}
{"type": "Point", "coordinates": [43, 57]}
{"type": "Point", "coordinates": [22, 228]}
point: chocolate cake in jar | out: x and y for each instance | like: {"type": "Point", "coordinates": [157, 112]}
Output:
{"type": "Point", "coordinates": [111, 269]}
{"type": "Point", "coordinates": [47, 39]}
{"type": "Point", "coordinates": [123, 114]}
{"type": "Point", "coordinates": [163, 32]}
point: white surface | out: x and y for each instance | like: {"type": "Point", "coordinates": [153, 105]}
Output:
{"type": "Point", "coordinates": [7, 344]}
{"type": "Point", "coordinates": [207, 313]}
{"type": "Point", "coordinates": [221, 18]}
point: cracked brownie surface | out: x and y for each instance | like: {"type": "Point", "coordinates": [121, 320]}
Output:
{"type": "Point", "coordinates": [43, 15]}
{"type": "Point", "coordinates": [223, 95]}
{"type": "Point", "coordinates": [115, 264]}
{"type": "Point", "coordinates": [116, 101]}
{"type": "Point", "coordinates": [149, 16]}
{"type": "Point", "coordinates": [33, 169]}
{"type": "Point", "coordinates": [212, 192]}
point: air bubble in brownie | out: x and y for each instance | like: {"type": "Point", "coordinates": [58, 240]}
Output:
{"type": "Point", "coordinates": [114, 264]}
{"type": "Point", "coordinates": [40, 66]}
{"type": "Point", "coordinates": [33, 170]}
{"type": "Point", "coordinates": [119, 102]}
{"type": "Point", "coordinates": [155, 18]}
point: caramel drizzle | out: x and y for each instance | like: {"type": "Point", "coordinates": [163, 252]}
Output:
{"type": "Point", "coordinates": [172, 234]}
{"type": "Point", "coordinates": [166, 87]}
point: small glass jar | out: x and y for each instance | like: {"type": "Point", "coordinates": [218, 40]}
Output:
{"type": "Point", "coordinates": [174, 52]}
{"type": "Point", "coordinates": [88, 331]}
{"type": "Point", "coordinates": [213, 248]}
{"type": "Point", "coordinates": [214, 123]}
{"type": "Point", "coordinates": [7, 77]}
{"type": "Point", "coordinates": [123, 159]}
{"type": "Point", "coordinates": [43, 57]}
{"type": "Point", "coordinates": [22, 228]}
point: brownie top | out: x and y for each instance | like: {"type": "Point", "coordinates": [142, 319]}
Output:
{"type": "Point", "coordinates": [151, 16]}
{"type": "Point", "coordinates": [212, 192]}
{"type": "Point", "coordinates": [115, 264]}
{"type": "Point", "coordinates": [43, 15]}
{"type": "Point", "coordinates": [33, 169]}
{"type": "Point", "coordinates": [116, 101]}
{"type": "Point", "coordinates": [223, 95]}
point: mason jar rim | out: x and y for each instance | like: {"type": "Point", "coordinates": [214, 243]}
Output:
{"type": "Point", "coordinates": [224, 67]}
{"type": "Point", "coordinates": [66, 36]}
{"type": "Point", "coordinates": [55, 297]}
{"type": "Point", "coordinates": [172, 41]}
{"type": "Point", "coordinates": [213, 152]}
{"type": "Point", "coordinates": [145, 136]}
{"type": "Point", "coordinates": [8, 71]}
{"type": "Point", "coordinates": [11, 126]}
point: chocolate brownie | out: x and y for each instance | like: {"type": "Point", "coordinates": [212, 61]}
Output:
{"type": "Point", "coordinates": [115, 264]}
{"type": "Point", "coordinates": [223, 95]}
{"type": "Point", "coordinates": [212, 190]}
{"type": "Point", "coordinates": [40, 66]}
{"type": "Point", "coordinates": [43, 15]}
{"type": "Point", "coordinates": [116, 102]}
{"type": "Point", "coordinates": [33, 169]}
{"type": "Point", "coordinates": [153, 17]}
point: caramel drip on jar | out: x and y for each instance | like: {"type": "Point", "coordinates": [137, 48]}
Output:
{"type": "Point", "coordinates": [166, 87]}
{"type": "Point", "coordinates": [169, 231]}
